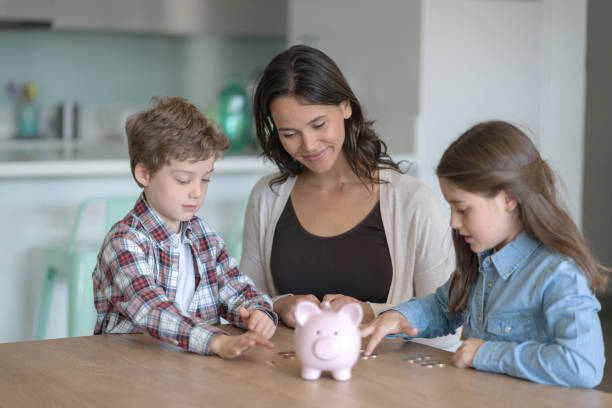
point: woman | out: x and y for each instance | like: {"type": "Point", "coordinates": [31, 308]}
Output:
{"type": "Point", "coordinates": [340, 222]}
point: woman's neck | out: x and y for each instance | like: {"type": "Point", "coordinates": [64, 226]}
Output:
{"type": "Point", "coordinates": [340, 175]}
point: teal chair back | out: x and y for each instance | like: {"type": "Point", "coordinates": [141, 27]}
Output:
{"type": "Point", "coordinates": [76, 263]}
{"type": "Point", "coordinates": [115, 208]}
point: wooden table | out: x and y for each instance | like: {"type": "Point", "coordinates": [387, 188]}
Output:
{"type": "Point", "coordinates": [135, 370]}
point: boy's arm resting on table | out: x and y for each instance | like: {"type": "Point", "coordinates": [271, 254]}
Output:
{"type": "Point", "coordinates": [135, 293]}
{"type": "Point", "coordinates": [430, 314]}
{"type": "Point", "coordinates": [574, 357]}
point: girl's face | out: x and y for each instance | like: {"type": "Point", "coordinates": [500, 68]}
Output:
{"type": "Point", "coordinates": [312, 134]}
{"type": "Point", "coordinates": [483, 222]}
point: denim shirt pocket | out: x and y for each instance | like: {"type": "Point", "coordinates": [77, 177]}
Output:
{"type": "Point", "coordinates": [511, 326]}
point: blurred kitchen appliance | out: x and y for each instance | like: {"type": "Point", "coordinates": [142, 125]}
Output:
{"type": "Point", "coordinates": [68, 120]}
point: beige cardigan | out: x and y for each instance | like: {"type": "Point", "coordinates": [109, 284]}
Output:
{"type": "Point", "coordinates": [417, 231]}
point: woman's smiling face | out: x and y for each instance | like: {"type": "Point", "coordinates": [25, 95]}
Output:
{"type": "Point", "coordinates": [312, 134]}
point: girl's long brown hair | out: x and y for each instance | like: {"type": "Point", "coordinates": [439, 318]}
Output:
{"type": "Point", "coordinates": [495, 156]}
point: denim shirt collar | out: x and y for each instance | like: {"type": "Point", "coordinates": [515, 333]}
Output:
{"type": "Point", "coordinates": [511, 256]}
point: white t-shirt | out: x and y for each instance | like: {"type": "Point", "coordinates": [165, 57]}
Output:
{"type": "Point", "coordinates": [185, 287]}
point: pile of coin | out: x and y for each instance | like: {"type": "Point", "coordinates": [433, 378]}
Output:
{"type": "Point", "coordinates": [425, 360]}
{"type": "Point", "coordinates": [371, 356]}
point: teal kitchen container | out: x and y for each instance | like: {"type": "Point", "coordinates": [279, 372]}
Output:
{"type": "Point", "coordinates": [235, 114]}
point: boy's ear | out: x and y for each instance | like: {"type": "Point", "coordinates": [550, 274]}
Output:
{"type": "Point", "coordinates": [510, 202]}
{"type": "Point", "coordinates": [142, 174]}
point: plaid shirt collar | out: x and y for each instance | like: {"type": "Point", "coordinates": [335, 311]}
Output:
{"type": "Point", "coordinates": [155, 226]}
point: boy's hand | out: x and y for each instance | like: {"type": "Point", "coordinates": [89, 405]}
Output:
{"type": "Point", "coordinates": [257, 321]}
{"type": "Point", "coordinates": [390, 322]}
{"type": "Point", "coordinates": [336, 301]}
{"type": "Point", "coordinates": [464, 356]}
{"type": "Point", "coordinates": [285, 307]}
{"type": "Point", "coordinates": [233, 346]}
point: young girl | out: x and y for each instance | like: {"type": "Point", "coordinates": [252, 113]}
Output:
{"type": "Point", "coordinates": [524, 283]}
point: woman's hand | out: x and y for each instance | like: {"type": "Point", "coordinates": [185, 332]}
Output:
{"type": "Point", "coordinates": [233, 346]}
{"type": "Point", "coordinates": [390, 322]}
{"type": "Point", "coordinates": [464, 356]}
{"type": "Point", "coordinates": [285, 307]}
{"type": "Point", "coordinates": [336, 301]}
{"type": "Point", "coordinates": [257, 321]}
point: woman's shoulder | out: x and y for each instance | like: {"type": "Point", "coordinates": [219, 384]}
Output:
{"type": "Point", "coordinates": [402, 186]}
{"type": "Point", "coordinates": [264, 187]}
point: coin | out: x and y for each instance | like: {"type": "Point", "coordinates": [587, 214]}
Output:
{"type": "Point", "coordinates": [287, 354]}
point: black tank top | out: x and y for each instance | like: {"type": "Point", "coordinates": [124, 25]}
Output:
{"type": "Point", "coordinates": [355, 263]}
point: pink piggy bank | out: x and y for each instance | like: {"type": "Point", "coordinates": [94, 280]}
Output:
{"type": "Point", "coordinates": [327, 340]}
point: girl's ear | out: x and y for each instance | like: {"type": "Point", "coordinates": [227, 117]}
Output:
{"type": "Point", "coordinates": [510, 202]}
{"type": "Point", "coordinates": [142, 174]}
{"type": "Point", "coordinates": [346, 109]}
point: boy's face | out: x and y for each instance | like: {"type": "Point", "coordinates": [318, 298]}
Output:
{"type": "Point", "coordinates": [177, 190]}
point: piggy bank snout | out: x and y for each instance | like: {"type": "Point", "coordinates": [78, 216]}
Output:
{"type": "Point", "coordinates": [326, 349]}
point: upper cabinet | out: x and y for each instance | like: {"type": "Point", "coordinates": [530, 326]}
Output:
{"type": "Point", "coordinates": [240, 17]}
{"type": "Point", "coordinates": [29, 11]}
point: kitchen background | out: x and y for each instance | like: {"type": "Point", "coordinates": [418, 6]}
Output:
{"type": "Point", "coordinates": [424, 69]}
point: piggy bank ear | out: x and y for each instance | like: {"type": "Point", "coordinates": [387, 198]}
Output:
{"type": "Point", "coordinates": [304, 310]}
{"type": "Point", "coordinates": [353, 311]}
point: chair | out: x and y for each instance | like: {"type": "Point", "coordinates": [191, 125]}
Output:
{"type": "Point", "coordinates": [76, 262]}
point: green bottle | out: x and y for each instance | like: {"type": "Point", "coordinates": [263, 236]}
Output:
{"type": "Point", "coordinates": [234, 114]}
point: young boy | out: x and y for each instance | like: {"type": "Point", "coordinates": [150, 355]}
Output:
{"type": "Point", "coordinates": [162, 270]}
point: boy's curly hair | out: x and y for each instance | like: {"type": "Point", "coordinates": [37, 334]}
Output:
{"type": "Point", "coordinates": [172, 128]}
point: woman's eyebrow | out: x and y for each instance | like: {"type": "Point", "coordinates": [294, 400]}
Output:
{"type": "Point", "coordinates": [318, 118]}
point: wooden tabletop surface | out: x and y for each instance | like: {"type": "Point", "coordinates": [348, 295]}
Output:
{"type": "Point", "coordinates": [135, 370]}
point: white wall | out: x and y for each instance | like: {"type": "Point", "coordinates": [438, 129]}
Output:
{"type": "Point", "coordinates": [521, 61]}
{"type": "Point", "coordinates": [376, 45]}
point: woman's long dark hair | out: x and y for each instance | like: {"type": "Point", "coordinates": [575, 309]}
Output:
{"type": "Point", "coordinates": [495, 156]}
{"type": "Point", "coordinates": [312, 76]}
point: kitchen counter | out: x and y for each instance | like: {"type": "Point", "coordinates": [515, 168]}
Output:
{"type": "Point", "coordinates": [56, 160]}
{"type": "Point", "coordinates": [87, 161]}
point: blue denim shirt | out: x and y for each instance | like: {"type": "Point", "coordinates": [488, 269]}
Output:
{"type": "Point", "coordinates": [535, 310]}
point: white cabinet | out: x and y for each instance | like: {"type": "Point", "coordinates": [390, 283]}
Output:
{"type": "Point", "coordinates": [520, 61]}
{"type": "Point", "coordinates": [31, 11]}
{"type": "Point", "coordinates": [81, 14]}
{"type": "Point", "coordinates": [261, 17]}
{"type": "Point", "coordinates": [248, 17]}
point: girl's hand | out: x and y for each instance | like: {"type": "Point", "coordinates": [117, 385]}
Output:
{"type": "Point", "coordinates": [390, 322]}
{"type": "Point", "coordinates": [257, 321]}
{"type": "Point", "coordinates": [233, 346]}
{"type": "Point", "coordinates": [285, 307]}
{"type": "Point", "coordinates": [337, 301]}
{"type": "Point", "coordinates": [464, 356]}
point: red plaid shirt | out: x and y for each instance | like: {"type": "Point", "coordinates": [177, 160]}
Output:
{"type": "Point", "coordinates": [136, 277]}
